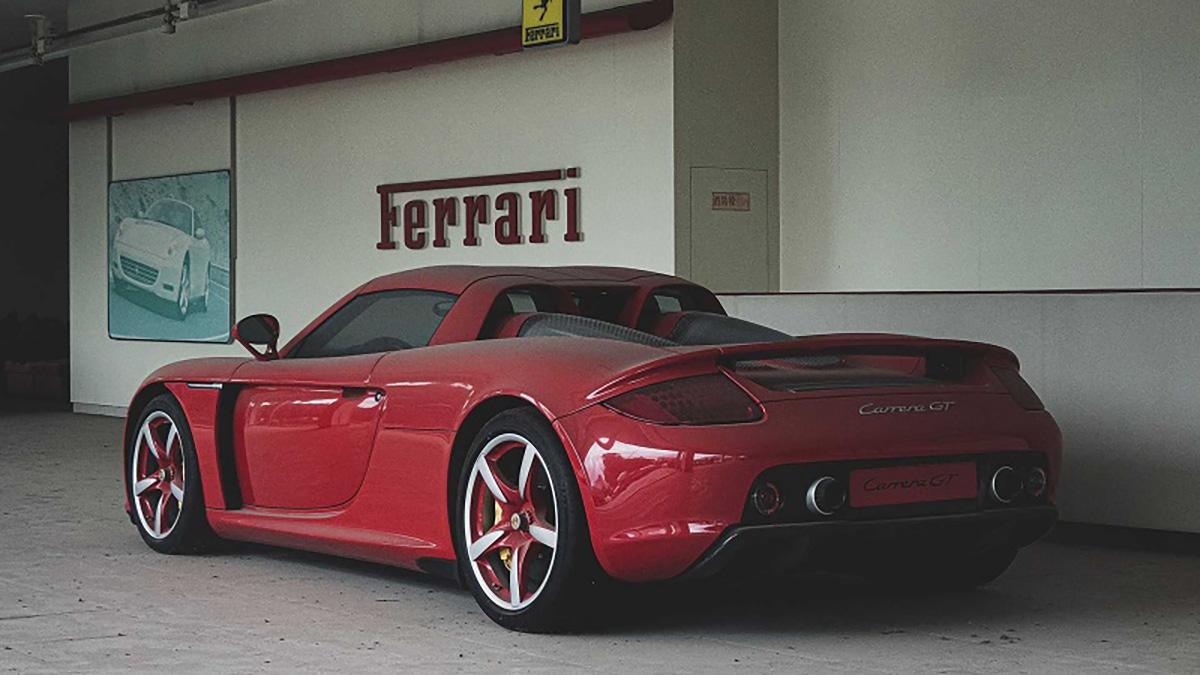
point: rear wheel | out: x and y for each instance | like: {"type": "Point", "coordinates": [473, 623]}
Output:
{"type": "Point", "coordinates": [164, 480]}
{"type": "Point", "coordinates": [521, 535]}
{"type": "Point", "coordinates": [202, 300]}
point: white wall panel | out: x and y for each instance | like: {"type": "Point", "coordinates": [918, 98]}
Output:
{"type": "Point", "coordinates": [1171, 87]}
{"type": "Point", "coordinates": [972, 145]}
{"type": "Point", "coordinates": [1118, 371]}
{"type": "Point", "coordinates": [88, 254]}
{"type": "Point", "coordinates": [179, 139]}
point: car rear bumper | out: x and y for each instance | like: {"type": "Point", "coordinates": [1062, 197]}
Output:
{"type": "Point", "coordinates": [659, 498]}
{"type": "Point", "coordinates": [784, 545]}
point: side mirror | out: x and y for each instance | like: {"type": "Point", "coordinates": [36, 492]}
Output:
{"type": "Point", "coordinates": [200, 234]}
{"type": "Point", "coordinates": [259, 329]}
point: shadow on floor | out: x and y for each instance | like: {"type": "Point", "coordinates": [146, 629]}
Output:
{"type": "Point", "coordinates": [815, 604]}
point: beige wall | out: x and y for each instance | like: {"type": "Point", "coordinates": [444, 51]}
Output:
{"type": "Point", "coordinates": [966, 144]}
{"type": "Point", "coordinates": [308, 161]}
{"type": "Point", "coordinates": [726, 114]}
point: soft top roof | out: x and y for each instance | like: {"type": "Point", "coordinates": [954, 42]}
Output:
{"type": "Point", "coordinates": [456, 278]}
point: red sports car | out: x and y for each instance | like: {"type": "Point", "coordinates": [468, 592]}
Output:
{"type": "Point", "coordinates": [533, 432]}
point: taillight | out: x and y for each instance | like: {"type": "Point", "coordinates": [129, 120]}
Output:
{"type": "Point", "coordinates": [1019, 389]}
{"type": "Point", "coordinates": [703, 399]}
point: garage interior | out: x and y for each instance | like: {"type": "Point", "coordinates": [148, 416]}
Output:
{"type": "Point", "coordinates": [1020, 173]}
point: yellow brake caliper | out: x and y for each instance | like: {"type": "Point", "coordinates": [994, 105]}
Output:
{"type": "Point", "coordinates": [505, 553]}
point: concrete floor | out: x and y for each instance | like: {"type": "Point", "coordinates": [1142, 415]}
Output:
{"type": "Point", "coordinates": [80, 592]}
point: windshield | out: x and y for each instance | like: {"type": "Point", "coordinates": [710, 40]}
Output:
{"type": "Point", "coordinates": [170, 212]}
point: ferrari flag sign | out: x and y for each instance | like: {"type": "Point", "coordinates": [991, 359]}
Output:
{"type": "Point", "coordinates": [549, 22]}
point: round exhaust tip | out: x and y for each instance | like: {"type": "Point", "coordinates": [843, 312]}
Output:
{"type": "Point", "coordinates": [1006, 485]}
{"type": "Point", "coordinates": [767, 498]}
{"type": "Point", "coordinates": [825, 496]}
{"type": "Point", "coordinates": [1036, 482]}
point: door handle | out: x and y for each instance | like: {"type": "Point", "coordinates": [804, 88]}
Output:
{"type": "Point", "coordinates": [361, 392]}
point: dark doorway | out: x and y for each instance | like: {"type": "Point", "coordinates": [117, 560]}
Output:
{"type": "Point", "coordinates": [34, 216]}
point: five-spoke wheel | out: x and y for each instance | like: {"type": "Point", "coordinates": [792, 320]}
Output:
{"type": "Point", "coordinates": [159, 474]}
{"type": "Point", "coordinates": [166, 501]}
{"type": "Point", "coordinates": [509, 521]}
{"type": "Point", "coordinates": [521, 533]}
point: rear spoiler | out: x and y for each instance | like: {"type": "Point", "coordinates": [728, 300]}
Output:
{"type": "Point", "coordinates": [704, 359]}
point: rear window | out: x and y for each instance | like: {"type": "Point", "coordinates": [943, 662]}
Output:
{"type": "Point", "coordinates": [605, 304]}
{"type": "Point", "coordinates": [378, 322]}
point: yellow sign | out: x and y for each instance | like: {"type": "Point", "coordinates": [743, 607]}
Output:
{"type": "Point", "coordinates": [549, 22]}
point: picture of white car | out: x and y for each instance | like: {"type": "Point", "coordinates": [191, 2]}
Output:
{"type": "Point", "coordinates": [165, 252]}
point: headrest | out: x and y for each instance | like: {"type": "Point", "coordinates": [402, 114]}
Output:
{"type": "Point", "coordinates": [511, 325]}
{"type": "Point", "coordinates": [665, 324]}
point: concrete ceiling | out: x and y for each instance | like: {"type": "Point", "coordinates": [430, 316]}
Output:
{"type": "Point", "coordinates": [14, 29]}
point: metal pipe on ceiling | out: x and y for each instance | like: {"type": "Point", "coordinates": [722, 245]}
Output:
{"type": "Point", "coordinates": [636, 16]}
{"type": "Point", "coordinates": [130, 24]}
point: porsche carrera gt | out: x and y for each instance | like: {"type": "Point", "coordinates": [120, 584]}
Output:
{"type": "Point", "coordinates": [536, 432]}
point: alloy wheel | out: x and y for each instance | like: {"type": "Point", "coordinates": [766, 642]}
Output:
{"type": "Point", "coordinates": [158, 475]}
{"type": "Point", "coordinates": [510, 520]}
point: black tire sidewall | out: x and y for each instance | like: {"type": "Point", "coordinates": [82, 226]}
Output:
{"type": "Point", "coordinates": [191, 531]}
{"type": "Point", "coordinates": [202, 299]}
{"type": "Point", "coordinates": [185, 273]}
{"type": "Point", "coordinates": [558, 607]}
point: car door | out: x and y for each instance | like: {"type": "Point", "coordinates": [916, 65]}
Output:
{"type": "Point", "coordinates": [303, 430]}
{"type": "Point", "coordinates": [304, 426]}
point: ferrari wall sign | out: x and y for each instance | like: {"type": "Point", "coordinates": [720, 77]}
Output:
{"type": "Point", "coordinates": [546, 23]}
{"type": "Point", "coordinates": [432, 220]}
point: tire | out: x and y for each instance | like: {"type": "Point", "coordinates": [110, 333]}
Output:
{"type": "Point", "coordinates": [165, 490]}
{"type": "Point", "coordinates": [556, 584]}
{"type": "Point", "coordinates": [944, 573]}
{"type": "Point", "coordinates": [183, 297]}
{"type": "Point", "coordinates": [202, 301]}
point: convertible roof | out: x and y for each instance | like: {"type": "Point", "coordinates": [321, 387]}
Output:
{"type": "Point", "coordinates": [456, 278]}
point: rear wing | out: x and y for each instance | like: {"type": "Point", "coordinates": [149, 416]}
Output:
{"type": "Point", "coordinates": [937, 359]}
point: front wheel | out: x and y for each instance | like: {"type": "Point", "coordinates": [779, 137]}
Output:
{"type": "Point", "coordinates": [184, 299]}
{"type": "Point", "coordinates": [521, 535]}
{"type": "Point", "coordinates": [163, 483]}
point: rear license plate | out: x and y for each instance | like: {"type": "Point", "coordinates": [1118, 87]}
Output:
{"type": "Point", "coordinates": [912, 484]}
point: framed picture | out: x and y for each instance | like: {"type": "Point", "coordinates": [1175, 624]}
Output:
{"type": "Point", "coordinates": [169, 258]}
